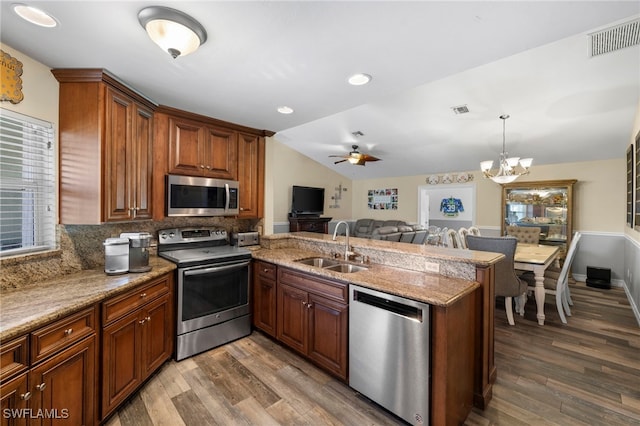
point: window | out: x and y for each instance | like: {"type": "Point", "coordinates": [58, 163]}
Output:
{"type": "Point", "coordinates": [27, 184]}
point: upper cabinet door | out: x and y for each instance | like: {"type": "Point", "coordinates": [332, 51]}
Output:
{"type": "Point", "coordinates": [251, 175]}
{"type": "Point", "coordinates": [221, 159]}
{"type": "Point", "coordinates": [186, 147]}
{"type": "Point", "coordinates": [142, 162]}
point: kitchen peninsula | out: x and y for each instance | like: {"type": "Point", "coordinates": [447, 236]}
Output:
{"type": "Point", "coordinates": [458, 285]}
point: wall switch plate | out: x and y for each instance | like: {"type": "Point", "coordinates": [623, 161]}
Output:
{"type": "Point", "coordinates": [432, 267]}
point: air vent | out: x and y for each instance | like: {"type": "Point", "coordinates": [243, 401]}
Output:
{"type": "Point", "coordinates": [615, 38]}
{"type": "Point", "coordinates": [462, 109]}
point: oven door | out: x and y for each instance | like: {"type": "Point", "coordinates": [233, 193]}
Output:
{"type": "Point", "coordinates": [212, 294]}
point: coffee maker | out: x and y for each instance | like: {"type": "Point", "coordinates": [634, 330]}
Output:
{"type": "Point", "coordinates": [138, 250]}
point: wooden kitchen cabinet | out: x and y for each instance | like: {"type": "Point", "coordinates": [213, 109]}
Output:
{"type": "Point", "coordinates": [264, 297]}
{"type": "Point", "coordinates": [251, 151]}
{"type": "Point", "coordinates": [312, 318]}
{"type": "Point", "coordinates": [137, 339]}
{"type": "Point", "coordinates": [106, 149]}
{"type": "Point", "coordinates": [61, 380]}
{"type": "Point", "coordinates": [199, 149]}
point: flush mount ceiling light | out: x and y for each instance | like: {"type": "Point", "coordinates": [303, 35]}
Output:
{"type": "Point", "coordinates": [34, 15]}
{"type": "Point", "coordinates": [510, 168]}
{"type": "Point", "coordinates": [359, 79]}
{"type": "Point", "coordinates": [175, 32]}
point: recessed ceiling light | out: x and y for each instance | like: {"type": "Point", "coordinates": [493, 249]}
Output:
{"type": "Point", "coordinates": [285, 110]}
{"type": "Point", "coordinates": [34, 15]}
{"type": "Point", "coordinates": [359, 79]}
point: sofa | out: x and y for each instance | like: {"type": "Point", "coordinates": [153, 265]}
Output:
{"type": "Point", "coordinates": [389, 230]}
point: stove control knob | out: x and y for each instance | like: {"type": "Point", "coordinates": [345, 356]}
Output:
{"type": "Point", "coordinates": [217, 232]}
{"type": "Point", "coordinates": [163, 235]}
{"type": "Point", "coordinates": [223, 232]}
{"type": "Point", "coordinates": [171, 235]}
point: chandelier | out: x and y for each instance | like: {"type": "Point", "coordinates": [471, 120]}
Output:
{"type": "Point", "coordinates": [510, 168]}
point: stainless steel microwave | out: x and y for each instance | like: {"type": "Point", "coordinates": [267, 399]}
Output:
{"type": "Point", "coordinates": [200, 196]}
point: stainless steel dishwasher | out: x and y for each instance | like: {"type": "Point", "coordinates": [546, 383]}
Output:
{"type": "Point", "coordinates": [389, 352]}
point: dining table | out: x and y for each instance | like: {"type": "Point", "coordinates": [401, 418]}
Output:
{"type": "Point", "coordinates": [536, 258]}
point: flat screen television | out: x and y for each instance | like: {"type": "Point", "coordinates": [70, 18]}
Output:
{"type": "Point", "coordinates": [307, 201]}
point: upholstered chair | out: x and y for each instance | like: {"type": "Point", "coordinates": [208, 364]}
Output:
{"type": "Point", "coordinates": [474, 230]}
{"type": "Point", "coordinates": [452, 239]}
{"type": "Point", "coordinates": [462, 232]}
{"type": "Point", "coordinates": [525, 234]}
{"type": "Point", "coordinates": [507, 283]}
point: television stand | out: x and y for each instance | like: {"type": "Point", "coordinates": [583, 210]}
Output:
{"type": "Point", "coordinates": [309, 224]}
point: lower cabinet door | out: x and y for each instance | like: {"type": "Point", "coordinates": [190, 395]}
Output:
{"type": "Point", "coordinates": [292, 317]}
{"type": "Point", "coordinates": [155, 326]}
{"type": "Point", "coordinates": [120, 365]}
{"type": "Point", "coordinates": [328, 325]}
{"type": "Point", "coordinates": [264, 304]}
{"type": "Point", "coordinates": [64, 387]}
{"type": "Point", "coordinates": [14, 397]}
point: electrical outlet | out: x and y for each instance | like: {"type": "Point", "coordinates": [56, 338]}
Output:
{"type": "Point", "coordinates": [432, 267]}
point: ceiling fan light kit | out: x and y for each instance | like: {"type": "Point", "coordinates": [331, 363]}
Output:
{"type": "Point", "coordinates": [355, 157]}
{"type": "Point", "coordinates": [510, 168]}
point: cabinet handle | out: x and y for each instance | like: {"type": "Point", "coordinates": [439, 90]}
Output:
{"type": "Point", "coordinates": [309, 305]}
{"type": "Point", "coordinates": [41, 386]}
{"type": "Point", "coordinates": [25, 396]}
{"type": "Point", "coordinates": [143, 294]}
{"type": "Point", "coordinates": [265, 270]}
{"type": "Point", "coordinates": [148, 319]}
{"type": "Point", "coordinates": [142, 321]}
{"type": "Point", "coordinates": [304, 303]}
{"type": "Point", "coordinates": [68, 331]}
{"type": "Point", "coordinates": [202, 166]}
{"type": "Point", "coordinates": [208, 167]}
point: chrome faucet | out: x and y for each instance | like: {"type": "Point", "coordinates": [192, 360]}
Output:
{"type": "Point", "coordinates": [347, 252]}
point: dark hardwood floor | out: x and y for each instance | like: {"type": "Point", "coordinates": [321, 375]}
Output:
{"type": "Point", "coordinates": [586, 372]}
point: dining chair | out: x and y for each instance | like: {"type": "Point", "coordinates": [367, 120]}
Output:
{"type": "Point", "coordinates": [462, 232]}
{"type": "Point", "coordinates": [507, 283]}
{"type": "Point", "coordinates": [557, 282]}
{"type": "Point", "coordinates": [525, 234]}
{"type": "Point", "coordinates": [474, 230]}
{"type": "Point", "coordinates": [452, 239]}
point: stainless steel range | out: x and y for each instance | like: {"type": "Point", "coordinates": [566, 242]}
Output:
{"type": "Point", "coordinates": [213, 288]}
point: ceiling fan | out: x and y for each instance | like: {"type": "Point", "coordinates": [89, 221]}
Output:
{"type": "Point", "coordinates": [355, 157]}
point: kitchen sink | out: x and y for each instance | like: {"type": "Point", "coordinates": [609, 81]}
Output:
{"type": "Point", "coordinates": [320, 262]}
{"type": "Point", "coordinates": [331, 265]}
{"type": "Point", "coordinates": [346, 268]}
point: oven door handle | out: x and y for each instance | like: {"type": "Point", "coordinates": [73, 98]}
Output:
{"type": "Point", "coordinates": [217, 269]}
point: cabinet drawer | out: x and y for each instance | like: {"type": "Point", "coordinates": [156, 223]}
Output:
{"type": "Point", "coordinates": [120, 306]}
{"type": "Point", "coordinates": [332, 289]}
{"type": "Point", "coordinates": [267, 270]}
{"type": "Point", "coordinates": [62, 333]}
{"type": "Point", "coordinates": [14, 357]}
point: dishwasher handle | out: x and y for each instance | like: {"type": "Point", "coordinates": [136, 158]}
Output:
{"type": "Point", "coordinates": [407, 311]}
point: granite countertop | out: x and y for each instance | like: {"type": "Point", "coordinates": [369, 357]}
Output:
{"type": "Point", "coordinates": [31, 306]}
{"type": "Point", "coordinates": [421, 286]}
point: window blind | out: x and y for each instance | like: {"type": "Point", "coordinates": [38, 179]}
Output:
{"type": "Point", "coordinates": [27, 184]}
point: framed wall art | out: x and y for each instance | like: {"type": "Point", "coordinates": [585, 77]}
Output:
{"type": "Point", "coordinates": [630, 188]}
{"type": "Point", "coordinates": [383, 199]}
{"type": "Point", "coordinates": [637, 183]}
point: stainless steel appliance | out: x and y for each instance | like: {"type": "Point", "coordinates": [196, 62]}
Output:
{"type": "Point", "coordinates": [389, 352]}
{"type": "Point", "coordinates": [212, 288]}
{"type": "Point", "coordinates": [246, 239]}
{"type": "Point", "coordinates": [200, 196]}
{"type": "Point", "coordinates": [116, 256]}
{"type": "Point", "coordinates": [138, 250]}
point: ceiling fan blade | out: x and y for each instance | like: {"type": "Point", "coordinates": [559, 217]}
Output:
{"type": "Point", "coordinates": [340, 156]}
{"type": "Point", "coordinates": [367, 157]}
{"type": "Point", "coordinates": [340, 161]}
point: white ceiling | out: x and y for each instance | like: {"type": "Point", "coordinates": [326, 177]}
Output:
{"type": "Point", "coordinates": [526, 59]}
